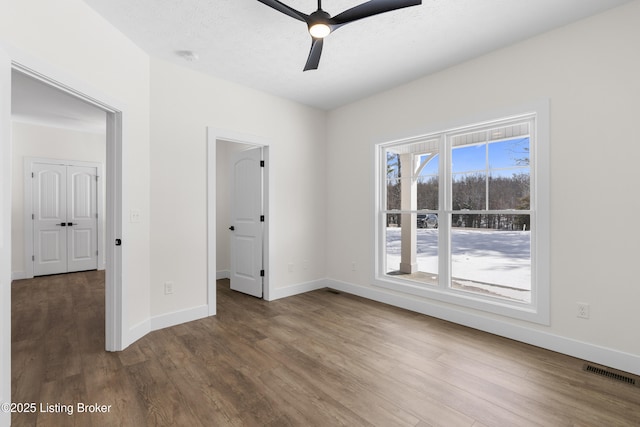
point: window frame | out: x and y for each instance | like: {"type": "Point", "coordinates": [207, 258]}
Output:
{"type": "Point", "coordinates": [537, 311]}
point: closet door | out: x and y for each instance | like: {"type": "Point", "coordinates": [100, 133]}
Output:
{"type": "Point", "coordinates": [82, 222]}
{"type": "Point", "coordinates": [49, 219]}
{"type": "Point", "coordinates": [65, 222]}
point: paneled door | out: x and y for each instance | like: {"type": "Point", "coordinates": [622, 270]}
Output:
{"type": "Point", "coordinates": [64, 218]}
{"type": "Point", "coordinates": [247, 222]}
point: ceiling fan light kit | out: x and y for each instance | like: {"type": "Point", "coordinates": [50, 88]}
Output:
{"type": "Point", "coordinates": [318, 24]}
{"type": "Point", "coordinates": [321, 24]}
{"type": "Point", "coordinates": [319, 30]}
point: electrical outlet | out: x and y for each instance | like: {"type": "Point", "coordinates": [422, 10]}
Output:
{"type": "Point", "coordinates": [135, 215]}
{"type": "Point", "coordinates": [168, 288]}
{"type": "Point", "coordinates": [353, 266]}
{"type": "Point", "coordinates": [583, 310]}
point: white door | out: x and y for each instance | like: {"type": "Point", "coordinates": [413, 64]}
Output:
{"type": "Point", "coordinates": [82, 221]}
{"type": "Point", "coordinates": [247, 222]}
{"type": "Point", "coordinates": [49, 219]}
{"type": "Point", "coordinates": [64, 218]}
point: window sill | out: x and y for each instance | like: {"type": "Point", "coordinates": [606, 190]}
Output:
{"type": "Point", "coordinates": [524, 311]}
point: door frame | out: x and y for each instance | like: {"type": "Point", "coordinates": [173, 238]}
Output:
{"type": "Point", "coordinates": [215, 135]}
{"type": "Point", "coordinates": [5, 235]}
{"type": "Point", "coordinates": [28, 208]}
{"type": "Point", "coordinates": [115, 110]}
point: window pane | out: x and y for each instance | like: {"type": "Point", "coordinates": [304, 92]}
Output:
{"type": "Point", "coordinates": [427, 182]}
{"type": "Point", "coordinates": [493, 258]}
{"type": "Point", "coordinates": [509, 189]}
{"type": "Point", "coordinates": [393, 181]}
{"type": "Point", "coordinates": [468, 158]}
{"type": "Point", "coordinates": [417, 259]}
{"type": "Point", "coordinates": [427, 193]}
{"type": "Point", "coordinates": [469, 191]}
{"type": "Point", "coordinates": [430, 164]}
{"type": "Point", "coordinates": [392, 243]}
{"type": "Point", "coordinates": [509, 154]}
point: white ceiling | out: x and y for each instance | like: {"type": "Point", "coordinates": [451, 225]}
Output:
{"type": "Point", "coordinates": [35, 102]}
{"type": "Point", "coordinates": [250, 43]}
{"type": "Point", "coordinates": [256, 46]}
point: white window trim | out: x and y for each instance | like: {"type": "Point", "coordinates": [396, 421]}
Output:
{"type": "Point", "coordinates": [538, 310]}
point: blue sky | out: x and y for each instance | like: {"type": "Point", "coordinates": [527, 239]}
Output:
{"type": "Point", "coordinates": [502, 155]}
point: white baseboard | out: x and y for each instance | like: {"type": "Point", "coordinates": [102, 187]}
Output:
{"type": "Point", "coordinates": [223, 274]}
{"type": "Point", "coordinates": [597, 354]}
{"type": "Point", "coordinates": [183, 316]}
{"type": "Point", "coordinates": [164, 321]}
{"type": "Point", "coordinates": [136, 332]}
{"type": "Point", "coordinates": [18, 275]}
{"type": "Point", "coordinates": [178, 317]}
{"type": "Point", "coordinates": [296, 289]}
{"type": "Point", "coordinates": [601, 355]}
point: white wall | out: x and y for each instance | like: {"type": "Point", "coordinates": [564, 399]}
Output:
{"type": "Point", "coordinates": [53, 143]}
{"type": "Point", "coordinates": [183, 104]}
{"type": "Point", "coordinates": [589, 71]}
{"type": "Point", "coordinates": [70, 38]}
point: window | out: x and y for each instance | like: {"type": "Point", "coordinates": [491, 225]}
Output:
{"type": "Point", "coordinates": [462, 216]}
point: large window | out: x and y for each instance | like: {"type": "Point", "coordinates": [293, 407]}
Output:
{"type": "Point", "coordinates": [462, 216]}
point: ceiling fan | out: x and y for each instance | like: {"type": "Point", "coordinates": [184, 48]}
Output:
{"type": "Point", "coordinates": [321, 24]}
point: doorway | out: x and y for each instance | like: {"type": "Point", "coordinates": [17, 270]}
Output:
{"type": "Point", "coordinates": [221, 146]}
{"type": "Point", "coordinates": [111, 146]}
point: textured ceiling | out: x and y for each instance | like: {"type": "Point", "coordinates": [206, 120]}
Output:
{"type": "Point", "coordinates": [249, 43]}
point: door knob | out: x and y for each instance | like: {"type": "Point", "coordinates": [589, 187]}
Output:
{"type": "Point", "coordinates": [70, 224]}
{"type": "Point", "coordinates": [232, 228]}
{"type": "Point", "coordinates": [63, 224]}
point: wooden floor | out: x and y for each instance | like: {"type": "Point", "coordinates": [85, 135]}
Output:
{"type": "Point", "coordinates": [318, 359]}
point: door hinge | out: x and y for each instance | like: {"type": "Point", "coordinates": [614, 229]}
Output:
{"type": "Point", "coordinates": [261, 163]}
{"type": "Point", "coordinates": [33, 216]}
{"type": "Point", "coordinates": [261, 218]}
{"type": "Point", "coordinates": [261, 273]}
{"type": "Point", "coordinates": [33, 257]}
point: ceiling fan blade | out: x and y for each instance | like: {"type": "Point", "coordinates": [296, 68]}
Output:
{"type": "Point", "coordinates": [281, 7]}
{"type": "Point", "coordinates": [370, 8]}
{"type": "Point", "coordinates": [314, 55]}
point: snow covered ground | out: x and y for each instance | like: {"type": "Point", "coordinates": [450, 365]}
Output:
{"type": "Point", "coordinates": [495, 261]}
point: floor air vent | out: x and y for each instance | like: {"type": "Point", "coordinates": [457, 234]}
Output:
{"type": "Point", "coordinates": [608, 373]}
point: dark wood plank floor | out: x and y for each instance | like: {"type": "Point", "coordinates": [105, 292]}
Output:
{"type": "Point", "coordinates": [318, 359]}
